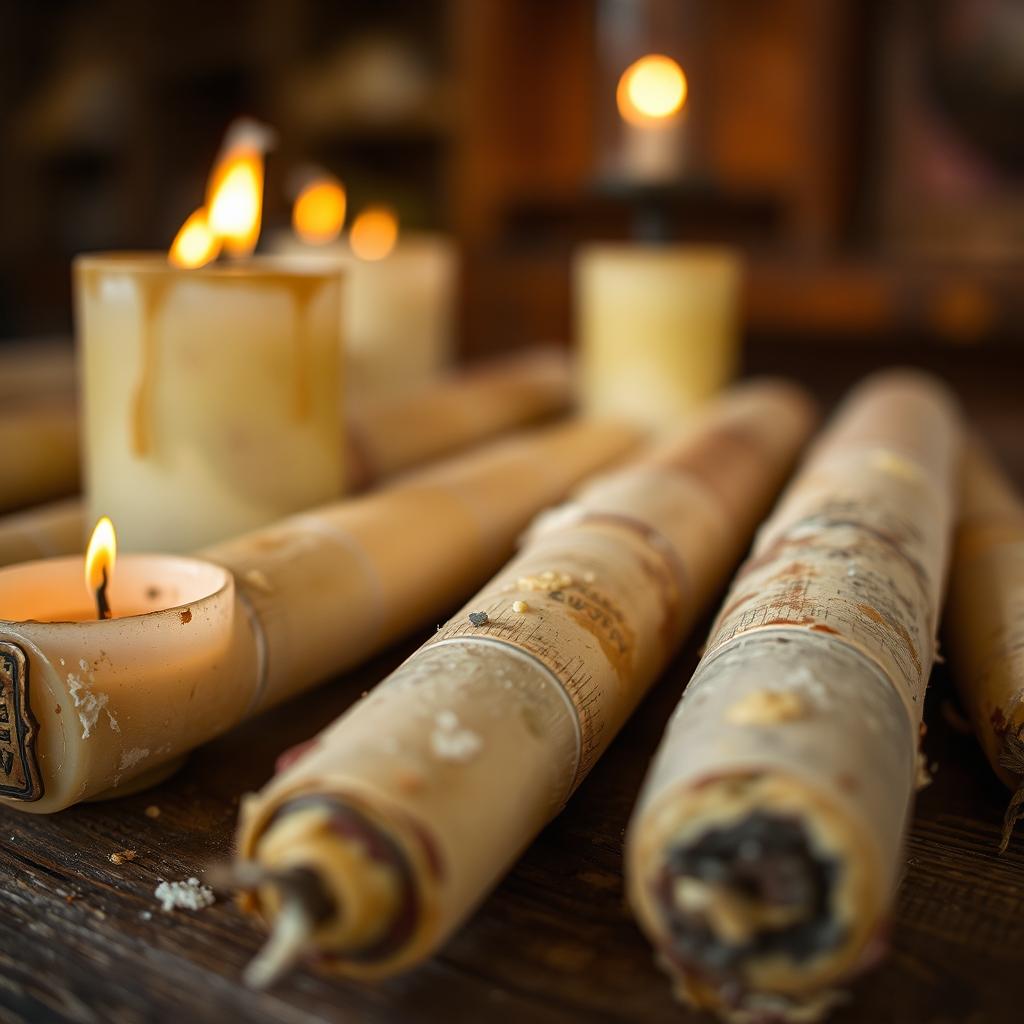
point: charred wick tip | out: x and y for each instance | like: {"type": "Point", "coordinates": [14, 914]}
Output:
{"type": "Point", "coordinates": [749, 889]}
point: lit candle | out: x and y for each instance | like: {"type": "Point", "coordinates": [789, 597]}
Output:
{"type": "Point", "coordinates": [399, 289]}
{"type": "Point", "coordinates": [651, 94]}
{"type": "Point", "coordinates": [93, 699]}
{"type": "Point", "coordinates": [658, 328]}
{"type": "Point", "coordinates": [211, 396]}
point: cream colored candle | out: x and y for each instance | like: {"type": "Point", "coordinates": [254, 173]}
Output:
{"type": "Point", "coordinates": [404, 812]}
{"type": "Point", "coordinates": [303, 600]}
{"type": "Point", "coordinates": [210, 396]}
{"type": "Point", "coordinates": [101, 704]}
{"type": "Point", "coordinates": [766, 844]}
{"type": "Point", "coordinates": [385, 436]}
{"type": "Point", "coordinates": [985, 619]}
{"type": "Point", "coordinates": [657, 326]}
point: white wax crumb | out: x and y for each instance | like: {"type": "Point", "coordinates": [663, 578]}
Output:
{"type": "Point", "coordinates": [146, 915]}
{"type": "Point", "coordinates": [851, 570]}
{"type": "Point", "coordinates": [187, 895]}
{"type": "Point", "coordinates": [130, 758]}
{"type": "Point", "coordinates": [89, 704]}
{"type": "Point", "coordinates": [449, 742]}
{"type": "Point", "coordinates": [83, 664]}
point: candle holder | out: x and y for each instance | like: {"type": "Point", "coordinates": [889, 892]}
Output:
{"type": "Point", "coordinates": [211, 396]}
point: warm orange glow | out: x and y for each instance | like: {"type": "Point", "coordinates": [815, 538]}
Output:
{"type": "Point", "coordinates": [234, 199]}
{"type": "Point", "coordinates": [195, 244]}
{"type": "Point", "coordinates": [319, 211]}
{"type": "Point", "coordinates": [651, 89]}
{"type": "Point", "coordinates": [100, 555]}
{"type": "Point", "coordinates": [374, 233]}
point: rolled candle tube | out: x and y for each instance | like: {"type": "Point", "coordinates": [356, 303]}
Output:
{"type": "Point", "coordinates": [38, 452]}
{"type": "Point", "coordinates": [382, 836]}
{"type": "Point", "coordinates": [211, 400]}
{"type": "Point", "coordinates": [658, 328]}
{"type": "Point", "coordinates": [765, 846]}
{"type": "Point", "coordinates": [985, 618]}
{"type": "Point", "coordinates": [312, 596]}
{"type": "Point", "coordinates": [385, 436]}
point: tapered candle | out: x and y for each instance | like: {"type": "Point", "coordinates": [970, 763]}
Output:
{"type": "Point", "coordinates": [985, 619]}
{"type": "Point", "coordinates": [373, 845]}
{"type": "Point", "coordinates": [385, 436]}
{"type": "Point", "coordinates": [196, 645]}
{"type": "Point", "coordinates": [763, 854]}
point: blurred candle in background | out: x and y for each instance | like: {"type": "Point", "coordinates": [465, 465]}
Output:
{"type": "Point", "coordinates": [650, 97]}
{"type": "Point", "coordinates": [658, 328]}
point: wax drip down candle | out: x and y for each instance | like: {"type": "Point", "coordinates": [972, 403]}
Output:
{"type": "Point", "coordinates": [210, 390]}
{"type": "Point", "coordinates": [195, 645]}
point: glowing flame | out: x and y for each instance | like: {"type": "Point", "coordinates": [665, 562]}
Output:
{"type": "Point", "coordinates": [100, 557]}
{"type": "Point", "coordinates": [651, 89]}
{"type": "Point", "coordinates": [195, 244]}
{"type": "Point", "coordinates": [374, 233]}
{"type": "Point", "coordinates": [319, 211]}
{"type": "Point", "coordinates": [234, 199]}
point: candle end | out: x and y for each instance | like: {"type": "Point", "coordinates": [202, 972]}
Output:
{"type": "Point", "coordinates": [289, 939]}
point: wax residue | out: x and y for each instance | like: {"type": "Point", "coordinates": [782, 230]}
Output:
{"type": "Point", "coordinates": [187, 895]}
{"type": "Point", "coordinates": [450, 742]}
{"type": "Point", "coordinates": [130, 758]}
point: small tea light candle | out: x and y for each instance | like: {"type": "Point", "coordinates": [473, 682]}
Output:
{"type": "Point", "coordinates": [658, 328]}
{"type": "Point", "coordinates": [85, 701]}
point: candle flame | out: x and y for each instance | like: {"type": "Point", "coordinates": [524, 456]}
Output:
{"type": "Point", "coordinates": [195, 244]}
{"type": "Point", "coordinates": [235, 199]}
{"type": "Point", "coordinates": [651, 89]}
{"type": "Point", "coordinates": [319, 211]}
{"type": "Point", "coordinates": [374, 233]}
{"type": "Point", "coordinates": [100, 555]}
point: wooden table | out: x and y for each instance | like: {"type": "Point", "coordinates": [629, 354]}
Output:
{"type": "Point", "coordinates": [82, 939]}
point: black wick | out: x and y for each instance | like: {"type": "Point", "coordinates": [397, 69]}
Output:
{"type": "Point", "coordinates": [102, 605]}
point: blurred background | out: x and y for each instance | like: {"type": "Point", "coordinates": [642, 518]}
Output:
{"type": "Point", "coordinates": [866, 157]}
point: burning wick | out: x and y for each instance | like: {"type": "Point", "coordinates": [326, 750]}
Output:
{"type": "Point", "coordinates": [99, 564]}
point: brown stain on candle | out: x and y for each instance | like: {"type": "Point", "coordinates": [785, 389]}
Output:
{"type": "Point", "coordinates": [152, 290]}
{"type": "Point", "coordinates": [897, 627]}
{"type": "Point", "coordinates": [302, 290]}
{"type": "Point", "coordinates": [186, 616]}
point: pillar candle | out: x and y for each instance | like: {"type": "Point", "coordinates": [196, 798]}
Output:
{"type": "Point", "coordinates": [210, 395]}
{"type": "Point", "coordinates": [302, 600]}
{"type": "Point", "coordinates": [765, 847]}
{"type": "Point", "coordinates": [658, 328]}
{"type": "Point", "coordinates": [404, 812]}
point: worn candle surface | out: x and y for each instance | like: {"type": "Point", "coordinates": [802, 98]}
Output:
{"type": "Point", "coordinates": [301, 600]}
{"type": "Point", "coordinates": [442, 774]}
{"type": "Point", "coordinates": [210, 396]}
{"type": "Point", "coordinates": [765, 846]}
{"type": "Point", "coordinates": [658, 328]}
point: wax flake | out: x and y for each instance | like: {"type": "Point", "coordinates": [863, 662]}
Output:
{"type": "Point", "coordinates": [520, 607]}
{"type": "Point", "coordinates": [451, 743]}
{"type": "Point", "coordinates": [188, 895]}
{"type": "Point", "coordinates": [89, 704]}
{"type": "Point", "coordinates": [768, 707]}
{"type": "Point", "coordinates": [152, 811]}
{"type": "Point", "coordinates": [122, 857]}
{"type": "Point", "coordinates": [130, 758]}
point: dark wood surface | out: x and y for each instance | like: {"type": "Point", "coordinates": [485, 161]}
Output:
{"type": "Point", "coordinates": [82, 939]}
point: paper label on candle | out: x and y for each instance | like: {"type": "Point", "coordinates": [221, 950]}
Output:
{"type": "Point", "coordinates": [19, 772]}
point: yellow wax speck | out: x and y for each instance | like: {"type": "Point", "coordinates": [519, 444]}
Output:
{"type": "Point", "coordinates": [767, 707]}
{"type": "Point", "coordinates": [152, 811]}
{"type": "Point", "coordinates": [521, 607]}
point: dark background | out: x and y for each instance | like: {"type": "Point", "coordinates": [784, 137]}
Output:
{"type": "Point", "coordinates": [867, 156]}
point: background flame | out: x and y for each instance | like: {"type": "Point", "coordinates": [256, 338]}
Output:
{"type": "Point", "coordinates": [195, 244]}
{"type": "Point", "coordinates": [374, 233]}
{"type": "Point", "coordinates": [319, 211]}
{"type": "Point", "coordinates": [235, 200]}
{"type": "Point", "coordinates": [653, 88]}
{"type": "Point", "coordinates": [101, 554]}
